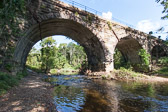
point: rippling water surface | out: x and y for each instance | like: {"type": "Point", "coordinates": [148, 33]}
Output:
{"type": "Point", "coordinates": [79, 94]}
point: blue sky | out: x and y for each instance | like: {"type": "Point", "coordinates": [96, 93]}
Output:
{"type": "Point", "coordinates": [144, 15]}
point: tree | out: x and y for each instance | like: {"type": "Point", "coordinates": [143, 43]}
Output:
{"type": "Point", "coordinates": [48, 54]}
{"type": "Point", "coordinates": [34, 58]}
{"type": "Point", "coordinates": [51, 57]}
{"type": "Point", "coordinates": [145, 58]}
{"type": "Point", "coordinates": [164, 3]}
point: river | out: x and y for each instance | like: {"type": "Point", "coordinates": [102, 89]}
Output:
{"type": "Point", "coordinates": [78, 93]}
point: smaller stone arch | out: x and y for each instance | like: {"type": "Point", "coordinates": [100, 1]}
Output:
{"type": "Point", "coordinates": [129, 48]}
{"type": "Point", "coordinates": [158, 51]}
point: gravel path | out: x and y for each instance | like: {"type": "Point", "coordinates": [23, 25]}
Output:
{"type": "Point", "coordinates": [32, 95]}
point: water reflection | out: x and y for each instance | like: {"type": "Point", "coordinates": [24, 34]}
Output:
{"type": "Point", "coordinates": [68, 98]}
{"type": "Point", "coordinates": [80, 94]}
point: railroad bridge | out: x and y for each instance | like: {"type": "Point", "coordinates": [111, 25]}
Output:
{"type": "Point", "coordinates": [98, 36]}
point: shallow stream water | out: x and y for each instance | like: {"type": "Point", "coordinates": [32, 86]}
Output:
{"type": "Point", "coordinates": [77, 93]}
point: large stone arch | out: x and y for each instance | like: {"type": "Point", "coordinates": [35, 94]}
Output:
{"type": "Point", "coordinates": [72, 29]}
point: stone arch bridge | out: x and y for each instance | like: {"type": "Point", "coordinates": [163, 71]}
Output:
{"type": "Point", "coordinates": [98, 36]}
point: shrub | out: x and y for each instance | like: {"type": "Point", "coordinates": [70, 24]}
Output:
{"type": "Point", "coordinates": [145, 58]}
{"type": "Point", "coordinates": [4, 85]}
{"type": "Point", "coordinates": [2, 91]}
{"type": "Point", "coordinates": [128, 72]}
{"type": "Point", "coordinates": [22, 74]}
{"type": "Point", "coordinates": [8, 67]}
{"type": "Point", "coordinates": [163, 60]}
{"type": "Point", "coordinates": [7, 81]}
{"type": "Point", "coordinates": [103, 77]}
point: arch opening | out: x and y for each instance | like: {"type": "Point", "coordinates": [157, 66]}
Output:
{"type": "Point", "coordinates": [158, 51]}
{"type": "Point", "coordinates": [126, 54]}
{"type": "Point", "coordinates": [57, 55]}
{"type": "Point", "coordinates": [69, 28]}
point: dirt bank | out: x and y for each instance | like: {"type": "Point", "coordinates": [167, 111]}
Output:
{"type": "Point", "coordinates": [127, 76]}
{"type": "Point", "coordinates": [32, 95]}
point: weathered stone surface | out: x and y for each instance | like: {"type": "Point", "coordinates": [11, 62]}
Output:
{"type": "Point", "coordinates": [99, 37]}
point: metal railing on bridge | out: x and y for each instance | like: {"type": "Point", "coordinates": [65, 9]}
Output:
{"type": "Point", "coordinates": [93, 11]}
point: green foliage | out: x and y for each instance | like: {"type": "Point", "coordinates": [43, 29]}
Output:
{"type": "Point", "coordinates": [119, 61]}
{"type": "Point", "coordinates": [8, 67]}
{"type": "Point", "coordinates": [164, 3]}
{"type": "Point", "coordinates": [76, 14]}
{"type": "Point", "coordinates": [141, 88]}
{"type": "Point", "coordinates": [163, 60]}
{"type": "Point", "coordinates": [7, 81]}
{"type": "Point", "coordinates": [109, 25]}
{"type": "Point", "coordinates": [48, 54]}
{"type": "Point", "coordinates": [20, 75]}
{"type": "Point", "coordinates": [166, 42]}
{"type": "Point", "coordinates": [123, 72]}
{"type": "Point", "coordinates": [89, 18]}
{"type": "Point", "coordinates": [163, 71]}
{"type": "Point", "coordinates": [4, 85]}
{"type": "Point", "coordinates": [50, 58]}
{"type": "Point", "coordinates": [9, 16]}
{"type": "Point", "coordinates": [145, 58]}
{"type": "Point", "coordinates": [103, 77]}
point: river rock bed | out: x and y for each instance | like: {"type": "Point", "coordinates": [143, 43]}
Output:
{"type": "Point", "coordinates": [31, 95]}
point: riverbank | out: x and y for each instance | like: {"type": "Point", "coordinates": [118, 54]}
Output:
{"type": "Point", "coordinates": [31, 95]}
{"type": "Point", "coordinates": [127, 75]}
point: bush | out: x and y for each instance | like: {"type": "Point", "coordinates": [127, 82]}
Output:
{"type": "Point", "coordinates": [2, 91]}
{"type": "Point", "coordinates": [8, 67]}
{"type": "Point", "coordinates": [163, 60]}
{"type": "Point", "coordinates": [128, 72]}
{"type": "Point", "coordinates": [53, 71]}
{"type": "Point", "coordinates": [4, 85]}
{"type": "Point", "coordinates": [7, 81]}
{"type": "Point", "coordinates": [22, 74]}
{"type": "Point", "coordinates": [145, 58]}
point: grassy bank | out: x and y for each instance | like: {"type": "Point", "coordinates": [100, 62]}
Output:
{"type": "Point", "coordinates": [162, 71]}
{"type": "Point", "coordinates": [65, 71]}
{"type": "Point", "coordinates": [8, 81]}
{"type": "Point", "coordinates": [126, 74]}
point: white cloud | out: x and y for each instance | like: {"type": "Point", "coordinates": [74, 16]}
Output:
{"type": "Point", "coordinates": [107, 15]}
{"type": "Point", "coordinates": [147, 26]}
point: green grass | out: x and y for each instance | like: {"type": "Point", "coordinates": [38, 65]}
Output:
{"type": "Point", "coordinates": [34, 68]}
{"type": "Point", "coordinates": [122, 72]}
{"type": "Point", "coordinates": [67, 71]}
{"type": "Point", "coordinates": [8, 81]}
{"type": "Point", "coordinates": [163, 71]}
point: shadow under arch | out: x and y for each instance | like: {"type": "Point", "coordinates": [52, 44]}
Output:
{"type": "Point", "coordinates": [69, 28]}
{"type": "Point", "coordinates": [129, 48]}
{"type": "Point", "coordinates": [158, 51]}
